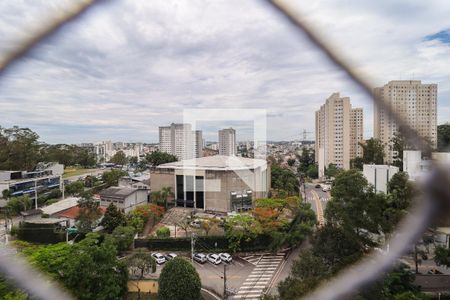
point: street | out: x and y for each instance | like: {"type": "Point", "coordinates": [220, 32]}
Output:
{"type": "Point", "coordinates": [318, 200]}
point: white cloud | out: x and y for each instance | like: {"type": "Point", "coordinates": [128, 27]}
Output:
{"type": "Point", "coordinates": [128, 67]}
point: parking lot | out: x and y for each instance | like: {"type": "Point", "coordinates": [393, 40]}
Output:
{"type": "Point", "coordinates": [247, 276]}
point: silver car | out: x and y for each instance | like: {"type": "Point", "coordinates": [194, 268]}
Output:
{"type": "Point", "coordinates": [226, 257]}
{"type": "Point", "coordinates": [214, 259]}
{"type": "Point", "coordinates": [160, 259]}
{"type": "Point", "coordinates": [200, 257]}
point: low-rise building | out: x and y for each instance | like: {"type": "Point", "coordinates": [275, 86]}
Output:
{"type": "Point", "coordinates": [379, 176]}
{"type": "Point", "coordinates": [141, 182]}
{"type": "Point", "coordinates": [125, 198]}
{"type": "Point", "coordinates": [32, 183]}
{"type": "Point", "coordinates": [214, 183]}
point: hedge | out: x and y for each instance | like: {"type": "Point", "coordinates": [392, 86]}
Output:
{"type": "Point", "coordinates": [202, 243]}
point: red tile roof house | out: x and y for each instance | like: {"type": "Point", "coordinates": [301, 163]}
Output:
{"type": "Point", "coordinates": [66, 208]}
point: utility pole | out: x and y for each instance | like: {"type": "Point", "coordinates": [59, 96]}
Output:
{"type": "Point", "coordinates": [61, 184]}
{"type": "Point", "coordinates": [192, 247]}
{"type": "Point", "coordinates": [225, 293]}
{"type": "Point", "coordinates": [35, 194]}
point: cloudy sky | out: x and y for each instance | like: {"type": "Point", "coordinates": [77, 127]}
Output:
{"type": "Point", "coordinates": [128, 67]}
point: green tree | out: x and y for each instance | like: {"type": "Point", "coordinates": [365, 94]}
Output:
{"type": "Point", "coordinates": [75, 188]}
{"type": "Point", "coordinates": [291, 162]}
{"type": "Point", "coordinates": [119, 158]}
{"type": "Point", "coordinates": [18, 204]}
{"type": "Point", "coordinates": [111, 178]}
{"type": "Point", "coordinates": [92, 271]}
{"type": "Point", "coordinates": [163, 232]}
{"type": "Point", "coordinates": [313, 171]}
{"type": "Point", "coordinates": [306, 273]}
{"type": "Point", "coordinates": [443, 136]}
{"type": "Point", "coordinates": [354, 205]}
{"type": "Point", "coordinates": [373, 152]}
{"type": "Point", "coordinates": [179, 275]}
{"type": "Point", "coordinates": [9, 292]}
{"type": "Point", "coordinates": [332, 170]}
{"type": "Point", "coordinates": [284, 179]}
{"type": "Point", "coordinates": [136, 222]}
{"type": "Point", "coordinates": [306, 160]}
{"type": "Point", "coordinates": [68, 155]}
{"type": "Point", "coordinates": [157, 158]}
{"type": "Point", "coordinates": [442, 256]}
{"type": "Point", "coordinates": [133, 160]}
{"type": "Point", "coordinates": [89, 269]}
{"type": "Point", "coordinates": [357, 163]}
{"type": "Point", "coordinates": [123, 237]}
{"type": "Point", "coordinates": [337, 247]}
{"type": "Point", "coordinates": [19, 149]}
{"type": "Point", "coordinates": [113, 218]}
{"type": "Point", "coordinates": [166, 192]}
{"type": "Point", "coordinates": [88, 215]}
{"type": "Point", "coordinates": [140, 263]}
{"type": "Point", "coordinates": [399, 281]}
{"type": "Point", "coordinates": [241, 227]}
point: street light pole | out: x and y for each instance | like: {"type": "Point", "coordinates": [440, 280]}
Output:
{"type": "Point", "coordinates": [35, 194]}
{"type": "Point", "coordinates": [225, 294]}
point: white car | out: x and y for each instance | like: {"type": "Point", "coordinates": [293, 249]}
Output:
{"type": "Point", "coordinates": [160, 259]}
{"type": "Point", "coordinates": [170, 256]}
{"type": "Point", "coordinates": [200, 257]}
{"type": "Point", "coordinates": [225, 257]}
{"type": "Point", "coordinates": [214, 259]}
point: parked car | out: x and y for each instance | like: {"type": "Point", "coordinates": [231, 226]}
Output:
{"type": "Point", "coordinates": [214, 259]}
{"type": "Point", "coordinates": [170, 256]}
{"type": "Point", "coordinates": [160, 259]}
{"type": "Point", "coordinates": [434, 271]}
{"type": "Point", "coordinates": [225, 257]}
{"type": "Point", "coordinates": [196, 223]}
{"type": "Point", "coordinates": [318, 186]}
{"type": "Point", "coordinates": [200, 257]}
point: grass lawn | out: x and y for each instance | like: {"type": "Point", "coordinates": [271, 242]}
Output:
{"type": "Point", "coordinates": [69, 172]}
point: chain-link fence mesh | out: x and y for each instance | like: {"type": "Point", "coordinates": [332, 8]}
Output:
{"type": "Point", "coordinates": [432, 199]}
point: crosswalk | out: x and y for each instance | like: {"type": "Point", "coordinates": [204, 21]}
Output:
{"type": "Point", "coordinates": [258, 280]}
{"type": "Point", "coordinates": [253, 259]}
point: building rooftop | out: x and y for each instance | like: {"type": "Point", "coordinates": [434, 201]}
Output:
{"type": "Point", "coordinates": [60, 205]}
{"type": "Point", "coordinates": [73, 212]}
{"type": "Point", "coordinates": [45, 221]}
{"type": "Point", "coordinates": [117, 192]}
{"type": "Point", "coordinates": [216, 162]}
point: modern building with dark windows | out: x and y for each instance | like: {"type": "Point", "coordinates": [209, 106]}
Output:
{"type": "Point", "coordinates": [214, 183]}
{"type": "Point", "coordinates": [32, 183]}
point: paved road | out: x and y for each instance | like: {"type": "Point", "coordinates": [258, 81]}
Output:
{"type": "Point", "coordinates": [92, 173]}
{"type": "Point", "coordinates": [212, 275]}
{"type": "Point", "coordinates": [318, 200]}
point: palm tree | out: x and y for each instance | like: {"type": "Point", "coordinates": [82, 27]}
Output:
{"type": "Point", "coordinates": [156, 196]}
{"type": "Point", "coordinates": [165, 193]}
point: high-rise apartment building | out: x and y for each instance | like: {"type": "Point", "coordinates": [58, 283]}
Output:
{"type": "Point", "coordinates": [413, 101]}
{"type": "Point", "coordinates": [339, 130]}
{"type": "Point", "coordinates": [198, 143]}
{"type": "Point", "coordinates": [181, 141]}
{"type": "Point", "coordinates": [227, 142]}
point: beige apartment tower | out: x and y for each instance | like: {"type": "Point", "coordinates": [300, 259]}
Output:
{"type": "Point", "coordinates": [339, 130]}
{"type": "Point", "coordinates": [181, 141]}
{"type": "Point", "coordinates": [227, 142]}
{"type": "Point", "coordinates": [413, 101]}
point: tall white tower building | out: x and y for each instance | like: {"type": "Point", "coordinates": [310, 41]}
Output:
{"type": "Point", "coordinates": [339, 130]}
{"type": "Point", "coordinates": [227, 142]}
{"type": "Point", "coordinates": [181, 141]}
{"type": "Point", "coordinates": [413, 101]}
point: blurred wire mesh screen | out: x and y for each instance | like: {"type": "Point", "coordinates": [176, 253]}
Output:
{"type": "Point", "coordinates": [434, 192]}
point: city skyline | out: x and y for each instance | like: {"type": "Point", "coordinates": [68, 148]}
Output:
{"type": "Point", "coordinates": [117, 74]}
